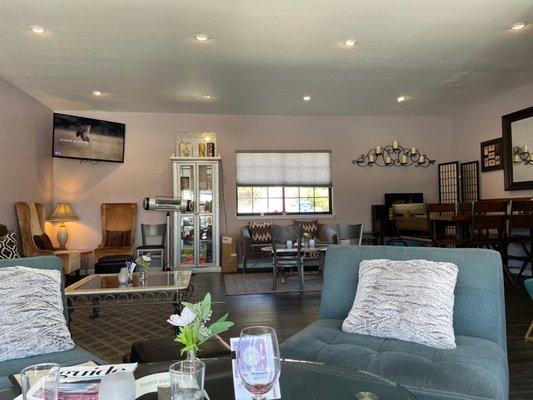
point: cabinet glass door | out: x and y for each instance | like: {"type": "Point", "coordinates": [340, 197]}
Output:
{"type": "Point", "coordinates": [205, 189]}
{"type": "Point", "coordinates": [187, 240]}
{"type": "Point", "coordinates": [206, 240]}
{"type": "Point", "coordinates": [186, 185]}
{"type": "Point", "coordinates": [205, 211]}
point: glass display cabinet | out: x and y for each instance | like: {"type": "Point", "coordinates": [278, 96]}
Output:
{"type": "Point", "coordinates": [195, 231]}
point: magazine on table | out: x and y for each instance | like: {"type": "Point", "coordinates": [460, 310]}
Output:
{"type": "Point", "coordinates": [80, 382]}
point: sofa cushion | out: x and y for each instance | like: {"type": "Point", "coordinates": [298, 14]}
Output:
{"type": "Point", "coordinates": [9, 247]}
{"type": "Point", "coordinates": [409, 300]}
{"type": "Point", "coordinates": [308, 226]}
{"type": "Point", "coordinates": [260, 232]}
{"type": "Point", "coordinates": [75, 356]}
{"type": "Point", "coordinates": [476, 369]}
{"type": "Point", "coordinates": [32, 320]}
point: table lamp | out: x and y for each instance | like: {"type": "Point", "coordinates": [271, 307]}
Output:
{"type": "Point", "coordinates": [63, 213]}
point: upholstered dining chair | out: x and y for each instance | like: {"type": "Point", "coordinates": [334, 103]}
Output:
{"type": "Point", "coordinates": [350, 234]}
{"type": "Point", "coordinates": [35, 241]}
{"type": "Point", "coordinates": [156, 247]}
{"type": "Point", "coordinates": [521, 232]}
{"type": "Point", "coordinates": [118, 230]}
{"type": "Point", "coordinates": [283, 260]}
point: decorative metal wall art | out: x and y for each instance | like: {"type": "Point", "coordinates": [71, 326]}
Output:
{"type": "Point", "coordinates": [394, 155]}
{"type": "Point", "coordinates": [521, 155]}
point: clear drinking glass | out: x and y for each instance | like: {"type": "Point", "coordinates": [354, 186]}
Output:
{"type": "Point", "coordinates": [187, 380]}
{"type": "Point", "coordinates": [40, 381]}
{"type": "Point", "coordinates": [258, 360]}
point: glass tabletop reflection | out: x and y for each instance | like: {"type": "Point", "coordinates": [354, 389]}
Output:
{"type": "Point", "coordinates": [298, 380]}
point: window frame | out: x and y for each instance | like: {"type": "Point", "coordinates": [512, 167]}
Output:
{"type": "Point", "coordinates": [283, 198]}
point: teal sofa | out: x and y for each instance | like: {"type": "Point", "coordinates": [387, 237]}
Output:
{"type": "Point", "coordinates": [476, 369]}
{"type": "Point", "coordinates": [64, 358]}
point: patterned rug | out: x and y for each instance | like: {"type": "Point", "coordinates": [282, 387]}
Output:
{"type": "Point", "coordinates": [110, 336]}
{"type": "Point", "coordinates": [261, 283]}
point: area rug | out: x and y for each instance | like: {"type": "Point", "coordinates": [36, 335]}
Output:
{"type": "Point", "coordinates": [261, 283]}
{"type": "Point", "coordinates": [110, 336]}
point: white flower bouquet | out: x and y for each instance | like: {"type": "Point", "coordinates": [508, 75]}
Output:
{"type": "Point", "coordinates": [192, 324]}
{"type": "Point", "coordinates": [143, 261]}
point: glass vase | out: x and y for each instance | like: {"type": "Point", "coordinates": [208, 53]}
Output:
{"type": "Point", "coordinates": [142, 277]}
{"type": "Point", "coordinates": [191, 355]}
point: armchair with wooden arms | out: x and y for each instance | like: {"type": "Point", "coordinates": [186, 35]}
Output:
{"type": "Point", "coordinates": [35, 241]}
{"type": "Point", "coordinates": [118, 230]}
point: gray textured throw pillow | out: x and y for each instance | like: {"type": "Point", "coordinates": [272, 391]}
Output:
{"type": "Point", "coordinates": [408, 300]}
{"type": "Point", "coordinates": [32, 320]}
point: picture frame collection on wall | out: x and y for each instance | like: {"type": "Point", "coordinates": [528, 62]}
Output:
{"type": "Point", "coordinates": [492, 155]}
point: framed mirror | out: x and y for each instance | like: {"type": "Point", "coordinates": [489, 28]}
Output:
{"type": "Point", "coordinates": [518, 149]}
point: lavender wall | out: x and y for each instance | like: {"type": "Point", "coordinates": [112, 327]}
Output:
{"type": "Point", "coordinates": [481, 123]}
{"type": "Point", "coordinates": [150, 140]}
{"type": "Point", "coordinates": [25, 162]}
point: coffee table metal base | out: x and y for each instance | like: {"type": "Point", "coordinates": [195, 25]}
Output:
{"type": "Point", "coordinates": [98, 301]}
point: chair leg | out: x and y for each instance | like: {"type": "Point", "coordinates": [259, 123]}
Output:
{"type": "Point", "coordinates": [508, 277]}
{"type": "Point", "coordinates": [301, 276]}
{"type": "Point", "coordinates": [529, 334]}
{"type": "Point", "coordinates": [526, 262]}
{"type": "Point", "coordinates": [274, 276]}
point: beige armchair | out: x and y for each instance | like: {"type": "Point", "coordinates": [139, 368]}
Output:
{"type": "Point", "coordinates": [118, 230]}
{"type": "Point", "coordinates": [31, 218]}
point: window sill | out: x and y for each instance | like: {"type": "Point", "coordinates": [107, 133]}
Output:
{"type": "Point", "coordinates": [290, 216]}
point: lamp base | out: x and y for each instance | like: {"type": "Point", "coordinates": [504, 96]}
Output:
{"type": "Point", "coordinates": [62, 236]}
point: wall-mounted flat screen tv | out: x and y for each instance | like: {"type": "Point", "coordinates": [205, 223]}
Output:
{"type": "Point", "coordinates": [88, 139]}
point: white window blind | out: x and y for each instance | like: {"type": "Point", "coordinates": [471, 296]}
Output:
{"type": "Point", "coordinates": [265, 168]}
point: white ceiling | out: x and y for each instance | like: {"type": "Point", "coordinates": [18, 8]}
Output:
{"type": "Point", "coordinates": [266, 54]}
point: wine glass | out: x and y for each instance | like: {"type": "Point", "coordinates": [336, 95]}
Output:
{"type": "Point", "coordinates": [258, 360]}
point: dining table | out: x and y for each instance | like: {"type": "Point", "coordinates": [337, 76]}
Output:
{"type": "Point", "coordinates": [306, 250]}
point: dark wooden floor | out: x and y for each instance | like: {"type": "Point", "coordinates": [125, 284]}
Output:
{"type": "Point", "coordinates": [288, 313]}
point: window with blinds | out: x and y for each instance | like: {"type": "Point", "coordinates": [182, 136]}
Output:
{"type": "Point", "coordinates": [279, 183]}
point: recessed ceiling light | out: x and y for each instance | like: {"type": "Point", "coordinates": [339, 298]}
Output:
{"type": "Point", "coordinates": [201, 37]}
{"type": "Point", "coordinates": [37, 29]}
{"type": "Point", "coordinates": [401, 99]}
{"type": "Point", "coordinates": [350, 42]}
{"type": "Point", "coordinates": [96, 92]}
{"type": "Point", "coordinates": [306, 98]}
{"type": "Point", "coordinates": [518, 26]}
{"type": "Point", "coordinates": [207, 97]}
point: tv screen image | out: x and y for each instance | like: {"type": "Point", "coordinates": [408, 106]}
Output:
{"type": "Point", "coordinates": [88, 139]}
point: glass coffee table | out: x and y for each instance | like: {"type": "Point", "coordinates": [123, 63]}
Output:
{"type": "Point", "coordinates": [298, 380]}
{"type": "Point", "coordinates": [103, 290]}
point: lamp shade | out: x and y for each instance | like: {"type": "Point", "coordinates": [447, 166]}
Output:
{"type": "Point", "coordinates": [63, 213]}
